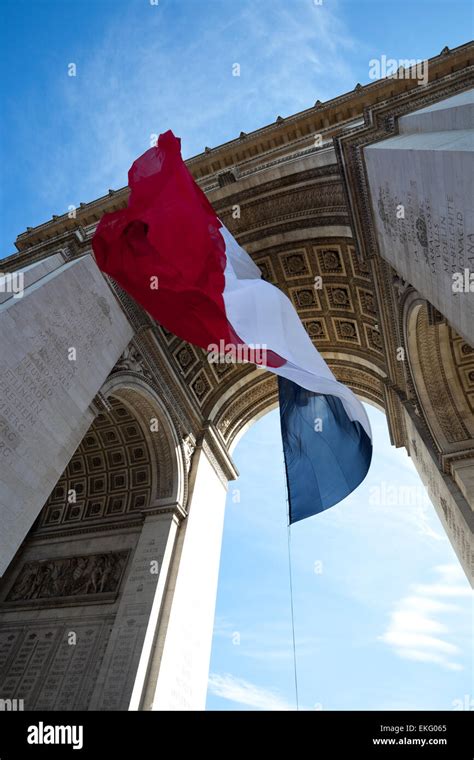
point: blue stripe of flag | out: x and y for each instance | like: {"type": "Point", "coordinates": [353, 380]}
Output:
{"type": "Point", "coordinates": [327, 455]}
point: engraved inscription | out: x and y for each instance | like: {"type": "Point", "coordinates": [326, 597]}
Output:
{"type": "Point", "coordinates": [45, 371]}
{"type": "Point", "coordinates": [437, 237]}
{"type": "Point", "coordinates": [46, 670]}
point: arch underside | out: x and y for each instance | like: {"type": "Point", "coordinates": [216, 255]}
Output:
{"type": "Point", "coordinates": [294, 223]}
{"type": "Point", "coordinates": [295, 226]}
{"type": "Point", "coordinates": [340, 317]}
{"type": "Point", "coordinates": [442, 369]}
{"type": "Point", "coordinates": [442, 375]}
{"type": "Point", "coordinates": [126, 464]}
{"type": "Point", "coordinates": [251, 398]}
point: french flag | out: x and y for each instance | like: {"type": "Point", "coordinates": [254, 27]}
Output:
{"type": "Point", "coordinates": [171, 253]}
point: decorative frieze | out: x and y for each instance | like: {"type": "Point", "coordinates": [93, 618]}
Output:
{"type": "Point", "coordinates": [78, 579]}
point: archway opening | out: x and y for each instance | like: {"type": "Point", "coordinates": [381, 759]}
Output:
{"type": "Point", "coordinates": [381, 605]}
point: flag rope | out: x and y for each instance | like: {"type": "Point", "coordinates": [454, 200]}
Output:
{"type": "Point", "coordinates": [292, 618]}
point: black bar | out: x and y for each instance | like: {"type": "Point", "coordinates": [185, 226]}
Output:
{"type": "Point", "coordinates": [315, 734]}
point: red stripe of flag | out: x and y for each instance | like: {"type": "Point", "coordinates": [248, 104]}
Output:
{"type": "Point", "coordinates": [165, 249]}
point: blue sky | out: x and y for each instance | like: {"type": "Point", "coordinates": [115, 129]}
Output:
{"type": "Point", "coordinates": [382, 610]}
{"type": "Point", "coordinates": [384, 621]}
{"type": "Point", "coordinates": [141, 69]}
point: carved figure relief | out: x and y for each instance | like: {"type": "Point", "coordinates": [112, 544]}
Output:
{"type": "Point", "coordinates": [69, 576]}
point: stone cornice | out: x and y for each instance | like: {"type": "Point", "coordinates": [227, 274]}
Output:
{"type": "Point", "coordinates": [215, 449]}
{"type": "Point", "coordinates": [381, 122]}
{"type": "Point", "coordinates": [118, 524]}
{"type": "Point", "coordinates": [228, 153]}
{"type": "Point", "coordinates": [330, 118]}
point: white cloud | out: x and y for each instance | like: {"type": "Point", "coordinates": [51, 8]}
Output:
{"type": "Point", "coordinates": [452, 583]}
{"type": "Point", "coordinates": [243, 692]}
{"type": "Point", "coordinates": [443, 589]}
{"type": "Point", "coordinates": [415, 631]}
{"type": "Point", "coordinates": [265, 642]}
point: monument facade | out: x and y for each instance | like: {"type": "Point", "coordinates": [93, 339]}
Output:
{"type": "Point", "coordinates": [116, 437]}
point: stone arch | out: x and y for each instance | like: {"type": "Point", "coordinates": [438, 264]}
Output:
{"type": "Point", "coordinates": [256, 393]}
{"type": "Point", "coordinates": [363, 376]}
{"type": "Point", "coordinates": [168, 454]}
{"type": "Point", "coordinates": [441, 366]}
{"type": "Point", "coordinates": [78, 566]}
{"type": "Point", "coordinates": [244, 403]}
{"type": "Point", "coordinates": [109, 474]}
{"type": "Point", "coordinates": [121, 467]}
{"type": "Point", "coordinates": [331, 288]}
